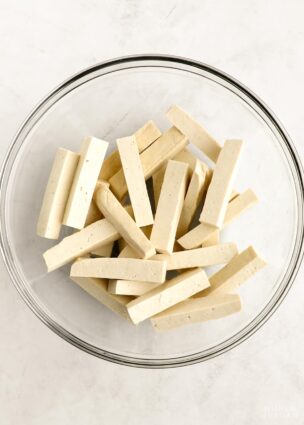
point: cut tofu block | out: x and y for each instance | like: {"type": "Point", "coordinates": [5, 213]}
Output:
{"type": "Point", "coordinates": [80, 243]}
{"type": "Point", "coordinates": [130, 287]}
{"type": "Point", "coordinates": [235, 273]}
{"type": "Point", "coordinates": [220, 187]}
{"type": "Point", "coordinates": [194, 194]}
{"type": "Point", "coordinates": [201, 257]}
{"type": "Point", "coordinates": [197, 310]}
{"type": "Point", "coordinates": [144, 137]}
{"type": "Point", "coordinates": [56, 193]}
{"type": "Point", "coordinates": [170, 293]}
{"type": "Point", "coordinates": [98, 289]}
{"type": "Point", "coordinates": [195, 237]}
{"type": "Point", "coordinates": [93, 215]}
{"type": "Point", "coordinates": [126, 251]}
{"type": "Point", "coordinates": [135, 180]}
{"type": "Point", "coordinates": [213, 240]}
{"type": "Point", "coordinates": [165, 147]}
{"type": "Point", "coordinates": [121, 268]}
{"type": "Point", "coordinates": [169, 207]}
{"type": "Point", "coordinates": [121, 220]}
{"type": "Point", "coordinates": [92, 153]}
{"type": "Point", "coordinates": [104, 251]}
{"type": "Point", "coordinates": [194, 132]}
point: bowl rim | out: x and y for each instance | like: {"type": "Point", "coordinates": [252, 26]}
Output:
{"type": "Point", "coordinates": [188, 359]}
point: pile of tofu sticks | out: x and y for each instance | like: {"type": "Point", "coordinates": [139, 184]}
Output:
{"type": "Point", "coordinates": [129, 240]}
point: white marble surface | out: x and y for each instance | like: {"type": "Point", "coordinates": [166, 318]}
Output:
{"type": "Point", "coordinates": [43, 380]}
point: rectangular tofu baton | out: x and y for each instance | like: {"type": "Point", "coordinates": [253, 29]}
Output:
{"type": "Point", "coordinates": [80, 243]}
{"type": "Point", "coordinates": [170, 293]}
{"type": "Point", "coordinates": [169, 207]}
{"type": "Point", "coordinates": [214, 239]}
{"type": "Point", "coordinates": [144, 137]}
{"type": "Point", "coordinates": [197, 310]}
{"type": "Point", "coordinates": [194, 132]}
{"type": "Point", "coordinates": [121, 268]}
{"type": "Point", "coordinates": [220, 187]}
{"type": "Point", "coordinates": [121, 220]}
{"type": "Point", "coordinates": [130, 287]}
{"type": "Point", "coordinates": [165, 147]}
{"type": "Point", "coordinates": [135, 180]}
{"type": "Point", "coordinates": [195, 237]}
{"type": "Point", "coordinates": [201, 257]}
{"type": "Point", "coordinates": [56, 193]}
{"type": "Point", "coordinates": [92, 153]}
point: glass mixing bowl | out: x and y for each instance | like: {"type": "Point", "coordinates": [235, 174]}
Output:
{"type": "Point", "coordinates": [111, 100]}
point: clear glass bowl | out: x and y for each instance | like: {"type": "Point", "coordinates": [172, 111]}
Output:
{"type": "Point", "coordinates": [112, 100]}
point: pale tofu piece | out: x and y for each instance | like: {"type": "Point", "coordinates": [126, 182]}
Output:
{"type": "Point", "coordinates": [144, 137]}
{"type": "Point", "coordinates": [92, 153]}
{"type": "Point", "coordinates": [235, 273]}
{"type": "Point", "coordinates": [213, 240]}
{"type": "Point", "coordinates": [130, 287]}
{"type": "Point", "coordinates": [169, 207]}
{"type": "Point", "coordinates": [170, 293]}
{"type": "Point", "coordinates": [195, 310]}
{"type": "Point", "coordinates": [98, 289]}
{"type": "Point", "coordinates": [220, 187]}
{"type": "Point", "coordinates": [121, 268]}
{"type": "Point", "coordinates": [200, 257]}
{"type": "Point", "coordinates": [194, 132]}
{"type": "Point", "coordinates": [80, 243]}
{"type": "Point", "coordinates": [165, 147]}
{"type": "Point", "coordinates": [194, 194]}
{"type": "Point", "coordinates": [126, 251]}
{"type": "Point", "coordinates": [104, 251]}
{"type": "Point", "coordinates": [195, 237]}
{"type": "Point", "coordinates": [135, 180]}
{"type": "Point", "coordinates": [157, 181]}
{"type": "Point", "coordinates": [121, 220]}
{"type": "Point", "coordinates": [94, 214]}
{"type": "Point", "coordinates": [121, 242]}
{"type": "Point", "coordinates": [56, 193]}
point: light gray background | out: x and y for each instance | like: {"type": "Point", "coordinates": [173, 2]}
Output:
{"type": "Point", "coordinates": [43, 380]}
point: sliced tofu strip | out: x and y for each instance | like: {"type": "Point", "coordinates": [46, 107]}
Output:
{"type": "Point", "coordinates": [98, 289]}
{"type": "Point", "coordinates": [129, 287]}
{"type": "Point", "coordinates": [121, 268]}
{"type": "Point", "coordinates": [170, 293]}
{"type": "Point", "coordinates": [169, 207]}
{"type": "Point", "coordinates": [144, 137]}
{"type": "Point", "coordinates": [56, 193]}
{"type": "Point", "coordinates": [201, 257]}
{"type": "Point", "coordinates": [104, 251]}
{"type": "Point", "coordinates": [80, 243]}
{"type": "Point", "coordinates": [213, 240]}
{"type": "Point", "coordinates": [135, 180]}
{"type": "Point", "coordinates": [127, 252]}
{"type": "Point", "coordinates": [235, 273]}
{"type": "Point", "coordinates": [164, 148]}
{"type": "Point", "coordinates": [93, 215]}
{"type": "Point", "coordinates": [92, 153]}
{"type": "Point", "coordinates": [197, 310]}
{"type": "Point", "coordinates": [195, 237]}
{"type": "Point", "coordinates": [121, 220]}
{"type": "Point", "coordinates": [194, 132]}
{"type": "Point", "coordinates": [220, 187]}
{"type": "Point", "coordinates": [195, 192]}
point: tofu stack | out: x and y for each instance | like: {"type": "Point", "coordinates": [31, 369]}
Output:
{"type": "Point", "coordinates": [143, 253]}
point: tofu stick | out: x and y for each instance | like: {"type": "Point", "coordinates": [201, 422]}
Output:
{"type": "Point", "coordinates": [194, 132]}
{"type": "Point", "coordinates": [144, 137]}
{"type": "Point", "coordinates": [92, 153]}
{"type": "Point", "coordinates": [196, 310]}
{"type": "Point", "coordinates": [164, 148]}
{"type": "Point", "coordinates": [93, 215]}
{"type": "Point", "coordinates": [169, 207]}
{"type": "Point", "coordinates": [195, 237]}
{"type": "Point", "coordinates": [121, 268]}
{"type": "Point", "coordinates": [170, 293]}
{"type": "Point", "coordinates": [129, 287]}
{"type": "Point", "coordinates": [121, 220]}
{"type": "Point", "coordinates": [201, 257]}
{"type": "Point", "coordinates": [104, 251]}
{"type": "Point", "coordinates": [220, 187]}
{"type": "Point", "coordinates": [135, 180]}
{"type": "Point", "coordinates": [57, 193]}
{"type": "Point", "coordinates": [80, 243]}
{"type": "Point", "coordinates": [213, 240]}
